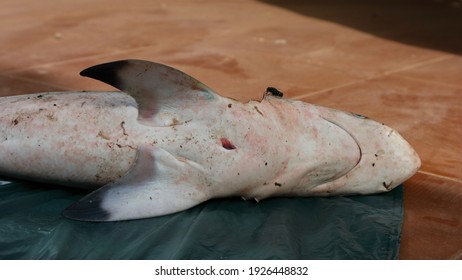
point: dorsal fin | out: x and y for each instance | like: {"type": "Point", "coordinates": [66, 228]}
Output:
{"type": "Point", "coordinates": [157, 88]}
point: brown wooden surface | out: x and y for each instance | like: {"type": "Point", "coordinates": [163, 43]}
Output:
{"type": "Point", "coordinates": [399, 62]}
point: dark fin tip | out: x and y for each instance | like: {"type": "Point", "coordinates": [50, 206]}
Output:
{"type": "Point", "coordinates": [87, 209]}
{"type": "Point", "coordinates": [106, 72]}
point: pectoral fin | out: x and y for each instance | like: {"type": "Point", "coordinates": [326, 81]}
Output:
{"type": "Point", "coordinates": [158, 184]}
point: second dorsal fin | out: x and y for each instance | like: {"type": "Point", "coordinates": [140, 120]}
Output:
{"type": "Point", "coordinates": [157, 88]}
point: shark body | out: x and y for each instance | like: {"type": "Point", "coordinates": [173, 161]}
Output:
{"type": "Point", "coordinates": [166, 142]}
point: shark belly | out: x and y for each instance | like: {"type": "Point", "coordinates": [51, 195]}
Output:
{"type": "Point", "coordinates": [74, 139]}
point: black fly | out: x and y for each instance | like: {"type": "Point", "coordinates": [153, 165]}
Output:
{"type": "Point", "coordinates": [274, 92]}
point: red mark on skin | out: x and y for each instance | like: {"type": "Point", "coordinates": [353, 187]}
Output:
{"type": "Point", "coordinates": [227, 144]}
{"type": "Point", "coordinates": [315, 132]}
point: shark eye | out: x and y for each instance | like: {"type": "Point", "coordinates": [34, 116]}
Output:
{"type": "Point", "coordinates": [359, 116]}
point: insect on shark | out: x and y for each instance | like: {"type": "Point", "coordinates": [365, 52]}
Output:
{"type": "Point", "coordinates": [274, 91]}
{"type": "Point", "coordinates": [166, 142]}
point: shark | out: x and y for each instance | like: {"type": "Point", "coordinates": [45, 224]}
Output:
{"type": "Point", "coordinates": [165, 142]}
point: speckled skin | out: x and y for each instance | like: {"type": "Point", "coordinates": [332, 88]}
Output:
{"type": "Point", "coordinates": [75, 139]}
{"type": "Point", "coordinates": [174, 143]}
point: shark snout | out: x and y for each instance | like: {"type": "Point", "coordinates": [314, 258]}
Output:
{"type": "Point", "coordinates": [386, 158]}
{"type": "Point", "coordinates": [398, 159]}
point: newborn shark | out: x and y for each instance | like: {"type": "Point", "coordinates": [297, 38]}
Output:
{"type": "Point", "coordinates": [167, 142]}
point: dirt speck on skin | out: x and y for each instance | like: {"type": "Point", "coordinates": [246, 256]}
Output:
{"type": "Point", "coordinates": [387, 186]}
{"type": "Point", "coordinates": [258, 110]}
{"type": "Point", "coordinates": [122, 125]}
{"type": "Point", "coordinates": [103, 135]}
{"type": "Point", "coordinates": [51, 117]}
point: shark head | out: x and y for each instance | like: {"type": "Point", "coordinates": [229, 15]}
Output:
{"type": "Point", "coordinates": [386, 158]}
